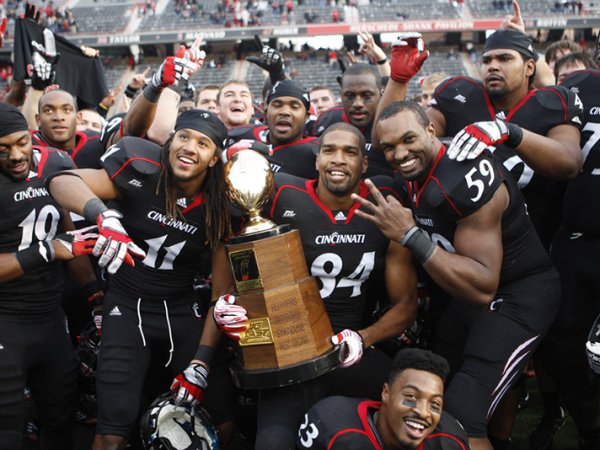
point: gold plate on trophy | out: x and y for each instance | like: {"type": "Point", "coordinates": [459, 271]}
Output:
{"type": "Point", "coordinates": [259, 333]}
{"type": "Point", "coordinates": [245, 270]}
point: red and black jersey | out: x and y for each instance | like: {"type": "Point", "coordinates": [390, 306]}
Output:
{"type": "Point", "coordinates": [579, 216]}
{"type": "Point", "coordinates": [173, 246]}
{"type": "Point", "coordinates": [28, 215]}
{"type": "Point", "coordinates": [454, 190]}
{"type": "Point", "coordinates": [341, 249]}
{"type": "Point", "coordinates": [377, 163]}
{"type": "Point", "coordinates": [464, 100]}
{"type": "Point", "coordinates": [344, 423]}
{"type": "Point", "coordinates": [87, 152]}
{"type": "Point", "coordinates": [296, 158]}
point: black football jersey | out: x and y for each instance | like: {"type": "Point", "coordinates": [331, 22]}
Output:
{"type": "Point", "coordinates": [453, 190]}
{"type": "Point", "coordinates": [87, 152]}
{"type": "Point", "coordinates": [464, 101]}
{"type": "Point", "coordinates": [173, 246]}
{"type": "Point", "coordinates": [377, 163]}
{"type": "Point", "coordinates": [579, 214]}
{"type": "Point", "coordinates": [341, 249]}
{"type": "Point", "coordinates": [344, 423]}
{"type": "Point", "coordinates": [296, 158]}
{"type": "Point", "coordinates": [28, 215]}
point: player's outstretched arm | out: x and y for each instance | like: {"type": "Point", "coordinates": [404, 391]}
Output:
{"type": "Point", "coordinates": [472, 272]}
{"type": "Point", "coordinates": [408, 55]}
{"type": "Point", "coordinates": [556, 155]}
{"type": "Point", "coordinates": [401, 284]}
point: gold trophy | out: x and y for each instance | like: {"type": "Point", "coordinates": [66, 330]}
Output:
{"type": "Point", "coordinates": [288, 340]}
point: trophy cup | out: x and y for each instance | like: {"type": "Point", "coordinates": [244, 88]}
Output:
{"type": "Point", "coordinates": [288, 340]}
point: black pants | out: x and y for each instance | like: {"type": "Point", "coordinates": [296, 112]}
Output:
{"type": "Point", "coordinates": [563, 351]}
{"type": "Point", "coordinates": [38, 353]}
{"type": "Point", "coordinates": [488, 350]}
{"type": "Point", "coordinates": [281, 410]}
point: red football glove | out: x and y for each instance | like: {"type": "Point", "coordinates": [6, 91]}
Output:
{"type": "Point", "coordinates": [351, 347]}
{"type": "Point", "coordinates": [79, 242]}
{"type": "Point", "coordinates": [114, 245]}
{"type": "Point", "coordinates": [475, 138]}
{"type": "Point", "coordinates": [192, 54]}
{"type": "Point", "coordinates": [172, 71]}
{"type": "Point", "coordinates": [189, 386]}
{"type": "Point", "coordinates": [231, 319]}
{"type": "Point", "coordinates": [408, 55]}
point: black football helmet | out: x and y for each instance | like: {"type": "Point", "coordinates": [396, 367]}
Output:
{"type": "Point", "coordinates": [166, 426]}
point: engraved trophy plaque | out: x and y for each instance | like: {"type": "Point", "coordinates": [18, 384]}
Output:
{"type": "Point", "coordinates": [288, 340]}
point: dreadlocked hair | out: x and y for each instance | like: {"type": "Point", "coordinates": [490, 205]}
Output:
{"type": "Point", "coordinates": [217, 219]}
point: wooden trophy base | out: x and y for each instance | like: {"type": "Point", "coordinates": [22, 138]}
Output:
{"type": "Point", "coordinates": [289, 336]}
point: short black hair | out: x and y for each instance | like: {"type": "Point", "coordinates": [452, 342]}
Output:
{"type": "Point", "coordinates": [573, 58]}
{"type": "Point", "coordinates": [363, 69]}
{"type": "Point", "coordinates": [419, 359]}
{"type": "Point", "coordinates": [397, 107]}
{"type": "Point", "coordinates": [343, 126]}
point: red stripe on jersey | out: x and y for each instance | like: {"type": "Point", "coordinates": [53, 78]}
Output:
{"type": "Point", "coordinates": [562, 100]}
{"type": "Point", "coordinates": [305, 140]}
{"type": "Point", "coordinates": [352, 430]}
{"type": "Point", "coordinates": [126, 163]}
{"type": "Point", "coordinates": [80, 140]}
{"type": "Point", "coordinates": [446, 196]}
{"type": "Point", "coordinates": [421, 188]}
{"type": "Point", "coordinates": [449, 436]}
{"type": "Point", "coordinates": [197, 202]}
{"type": "Point", "coordinates": [44, 152]}
{"type": "Point", "coordinates": [519, 105]}
{"type": "Point", "coordinates": [310, 189]}
{"type": "Point", "coordinates": [276, 197]}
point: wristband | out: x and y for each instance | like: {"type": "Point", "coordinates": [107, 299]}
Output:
{"type": "Point", "coordinates": [151, 93]}
{"type": "Point", "coordinates": [515, 135]}
{"type": "Point", "coordinates": [419, 244]}
{"type": "Point", "coordinates": [36, 256]}
{"type": "Point", "coordinates": [381, 62]}
{"type": "Point", "coordinates": [204, 353]}
{"type": "Point", "coordinates": [103, 106]}
{"type": "Point", "coordinates": [93, 208]}
{"type": "Point", "coordinates": [130, 92]}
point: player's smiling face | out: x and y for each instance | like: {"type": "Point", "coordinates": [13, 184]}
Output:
{"type": "Point", "coordinates": [235, 105]}
{"type": "Point", "coordinates": [16, 155]}
{"type": "Point", "coordinates": [407, 146]}
{"type": "Point", "coordinates": [411, 408]}
{"type": "Point", "coordinates": [191, 154]}
{"type": "Point", "coordinates": [340, 163]}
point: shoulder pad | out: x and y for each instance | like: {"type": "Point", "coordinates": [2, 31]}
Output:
{"type": "Point", "coordinates": [469, 184]}
{"type": "Point", "coordinates": [386, 184]}
{"type": "Point", "coordinates": [456, 89]}
{"type": "Point", "coordinates": [285, 179]}
{"type": "Point", "coordinates": [563, 100]}
{"type": "Point", "coordinates": [326, 118]}
{"type": "Point", "coordinates": [131, 155]}
{"type": "Point", "coordinates": [581, 77]}
{"type": "Point", "coordinates": [51, 160]}
{"type": "Point", "coordinates": [256, 132]}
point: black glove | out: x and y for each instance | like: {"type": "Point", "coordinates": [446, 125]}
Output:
{"type": "Point", "coordinates": [270, 60]}
{"type": "Point", "coordinates": [44, 70]}
{"type": "Point", "coordinates": [32, 12]}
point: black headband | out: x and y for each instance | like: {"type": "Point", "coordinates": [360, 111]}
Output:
{"type": "Point", "coordinates": [289, 88]}
{"type": "Point", "coordinates": [512, 40]}
{"type": "Point", "coordinates": [11, 120]}
{"type": "Point", "coordinates": [205, 122]}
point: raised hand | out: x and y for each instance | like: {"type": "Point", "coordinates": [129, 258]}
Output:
{"type": "Point", "coordinates": [408, 56]}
